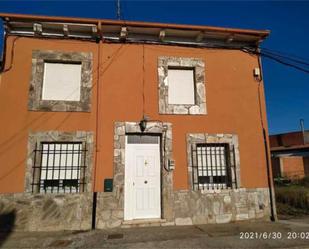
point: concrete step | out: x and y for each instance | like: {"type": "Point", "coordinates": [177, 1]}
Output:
{"type": "Point", "coordinates": [142, 223]}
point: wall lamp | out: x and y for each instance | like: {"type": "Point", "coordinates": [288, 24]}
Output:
{"type": "Point", "coordinates": [143, 123]}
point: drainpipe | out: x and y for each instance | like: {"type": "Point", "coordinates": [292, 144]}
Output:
{"type": "Point", "coordinates": [97, 140]}
{"type": "Point", "coordinates": [269, 179]}
{"type": "Point", "coordinates": [273, 213]}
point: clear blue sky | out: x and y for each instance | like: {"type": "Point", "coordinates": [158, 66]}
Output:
{"type": "Point", "coordinates": [287, 90]}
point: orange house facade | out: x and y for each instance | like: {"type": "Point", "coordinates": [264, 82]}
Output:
{"type": "Point", "coordinates": [119, 124]}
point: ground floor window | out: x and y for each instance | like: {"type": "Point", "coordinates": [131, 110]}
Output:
{"type": "Point", "coordinates": [60, 167]}
{"type": "Point", "coordinates": [212, 166]}
{"type": "Point", "coordinates": [213, 161]}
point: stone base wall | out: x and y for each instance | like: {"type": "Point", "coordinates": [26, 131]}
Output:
{"type": "Point", "coordinates": [45, 212]}
{"type": "Point", "coordinates": [110, 210]}
{"type": "Point", "coordinates": [194, 207]}
{"type": "Point", "coordinates": [220, 206]}
{"type": "Point", "coordinates": [51, 212]}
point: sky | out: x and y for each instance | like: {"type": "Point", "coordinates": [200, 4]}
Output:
{"type": "Point", "coordinates": [287, 89]}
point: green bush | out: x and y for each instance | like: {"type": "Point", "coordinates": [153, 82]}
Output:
{"type": "Point", "coordinates": [284, 211]}
{"type": "Point", "coordinates": [305, 181]}
{"type": "Point", "coordinates": [280, 181]}
{"type": "Point", "coordinates": [295, 196]}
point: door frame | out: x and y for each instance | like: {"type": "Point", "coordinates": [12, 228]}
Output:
{"type": "Point", "coordinates": [116, 198]}
{"type": "Point", "coordinates": [159, 135]}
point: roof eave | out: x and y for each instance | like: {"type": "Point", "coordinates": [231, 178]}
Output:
{"type": "Point", "coordinates": [254, 36]}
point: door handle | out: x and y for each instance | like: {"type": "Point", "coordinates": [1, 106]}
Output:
{"type": "Point", "coordinates": [145, 182]}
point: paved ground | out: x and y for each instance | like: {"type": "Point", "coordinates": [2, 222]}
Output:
{"type": "Point", "coordinates": [205, 236]}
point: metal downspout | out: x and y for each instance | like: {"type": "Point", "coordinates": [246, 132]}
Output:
{"type": "Point", "coordinates": [273, 213]}
{"type": "Point", "coordinates": [97, 139]}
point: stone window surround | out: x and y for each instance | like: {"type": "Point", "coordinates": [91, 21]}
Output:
{"type": "Point", "coordinates": [36, 138]}
{"type": "Point", "coordinates": [121, 129]}
{"type": "Point", "coordinates": [36, 103]}
{"type": "Point", "coordinates": [199, 108]}
{"type": "Point", "coordinates": [231, 139]}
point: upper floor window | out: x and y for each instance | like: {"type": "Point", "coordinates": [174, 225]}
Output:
{"type": "Point", "coordinates": [181, 86]}
{"type": "Point", "coordinates": [61, 81]}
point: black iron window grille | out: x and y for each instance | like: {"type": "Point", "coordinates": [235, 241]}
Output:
{"type": "Point", "coordinates": [59, 167]}
{"type": "Point", "coordinates": [213, 166]}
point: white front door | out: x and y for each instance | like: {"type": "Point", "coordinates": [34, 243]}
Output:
{"type": "Point", "coordinates": [142, 177]}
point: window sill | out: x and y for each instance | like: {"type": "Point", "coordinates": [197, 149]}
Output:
{"type": "Point", "coordinates": [184, 109]}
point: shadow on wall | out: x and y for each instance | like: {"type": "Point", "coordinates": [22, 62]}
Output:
{"type": "Point", "coordinates": [7, 223]}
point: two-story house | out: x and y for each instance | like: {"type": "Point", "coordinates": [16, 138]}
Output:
{"type": "Point", "coordinates": [117, 124]}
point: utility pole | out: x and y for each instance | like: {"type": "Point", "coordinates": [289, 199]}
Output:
{"type": "Point", "coordinates": [302, 127]}
{"type": "Point", "coordinates": [118, 10]}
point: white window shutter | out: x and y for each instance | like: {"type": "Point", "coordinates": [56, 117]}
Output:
{"type": "Point", "coordinates": [62, 82]}
{"type": "Point", "coordinates": [181, 86]}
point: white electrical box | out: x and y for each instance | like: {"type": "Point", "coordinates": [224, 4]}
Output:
{"type": "Point", "coordinates": [171, 164]}
{"type": "Point", "coordinates": [256, 72]}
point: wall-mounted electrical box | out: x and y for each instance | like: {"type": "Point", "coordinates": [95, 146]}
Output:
{"type": "Point", "coordinates": [256, 72]}
{"type": "Point", "coordinates": [108, 185]}
{"type": "Point", "coordinates": [171, 164]}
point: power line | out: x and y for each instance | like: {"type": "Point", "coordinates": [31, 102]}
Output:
{"type": "Point", "coordinates": [298, 61]}
{"type": "Point", "coordinates": [285, 53]}
{"type": "Point", "coordinates": [284, 63]}
{"type": "Point", "coordinates": [282, 59]}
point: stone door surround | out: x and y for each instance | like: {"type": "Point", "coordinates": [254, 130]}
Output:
{"type": "Point", "coordinates": [165, 130]}
{"type": "Point", "coordinates": [110, 211]}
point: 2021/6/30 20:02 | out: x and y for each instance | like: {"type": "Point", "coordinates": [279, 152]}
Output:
{"type": "Point", "coordinates": [274, 235]}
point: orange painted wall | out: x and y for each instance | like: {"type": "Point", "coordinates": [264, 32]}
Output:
{"type": "Point", "coordinates": [231, 95]}
{"type": "Point", "coordinates": [17, 121]}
